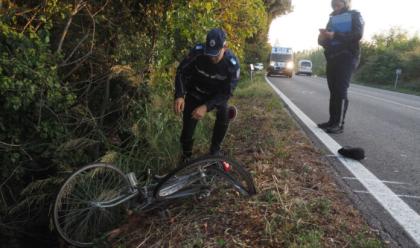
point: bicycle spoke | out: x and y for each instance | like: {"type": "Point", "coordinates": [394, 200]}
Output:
{"type": "Point", "coordinates": [74, 213]}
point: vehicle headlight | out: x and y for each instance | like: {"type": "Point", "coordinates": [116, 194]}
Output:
{"type": "Point", "coordinates": [272, 63]}
{"type": "Point", "coordinates": [290, 65]}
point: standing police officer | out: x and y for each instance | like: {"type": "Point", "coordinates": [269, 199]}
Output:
{"type": "Point", "coordinates": [205, 80]}
{"type": "Point", "coordinates": [342, 50]}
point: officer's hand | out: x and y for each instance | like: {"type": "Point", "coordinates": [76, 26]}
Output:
{"type": "Point", "coordinates": [328, 35]}
{"type": "Point", "coordinates": [321, 39]}
{"type": "Point", "coordinates": [199, 112]}
{"type": "Point", "coordinates": [179, 105]}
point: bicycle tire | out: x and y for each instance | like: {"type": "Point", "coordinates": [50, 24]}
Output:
{"type": "Point", "coordinates": [76, 217]}
{"type": "Point", "coordinates": [184, 180]}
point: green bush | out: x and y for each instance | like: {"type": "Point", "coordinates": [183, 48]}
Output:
{"type": "Point", "coordinates": [387, 52]}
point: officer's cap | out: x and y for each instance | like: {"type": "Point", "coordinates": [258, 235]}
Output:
{"type": "Point", "coordinates": [216, 39]}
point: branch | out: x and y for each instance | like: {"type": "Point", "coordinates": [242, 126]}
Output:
{"type": "Point", "coordinates": [102, 8]}
{"type": "Point", "coordinates": [9, 177]}
{"type": "Point", "coordinates": [75, 48]}
{"type": "Point", "coordinates": [6, 144]}
{"type": "Point", "coordinates": [79, 60]}
{"type": "Point", "coordinates": [66, 61]}
{"type": "Point", "coordinates": [76, 10]}
{"type": "Point", "coordinates": [31, 19]}
{"type": "Point", "coordinates": [105, 101]}
{"type": "Point", "coordinates": [93, 29]}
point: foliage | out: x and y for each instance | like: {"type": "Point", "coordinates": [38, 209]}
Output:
{"type": "Point", "coordinates": [276, 8]}
{"type": "Point", "coordinates": [84, 81]}
{"type": "Point", "coordinates": [256, 47]}
{"type": "Point", "coordinates": [387, 52]}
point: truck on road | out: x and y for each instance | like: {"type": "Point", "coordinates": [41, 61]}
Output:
{"type": "Point", "coordinates": [281, 62]}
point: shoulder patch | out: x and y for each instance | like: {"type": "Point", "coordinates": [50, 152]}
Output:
{"type": "Point", "coordinates": [197, 50]}
{"type": "Point", "coordinates": [233, 61]}
{"type": "Point", "coordinates": [199, 47]}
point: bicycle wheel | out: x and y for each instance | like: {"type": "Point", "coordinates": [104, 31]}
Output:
{"type": "Point", "coordinates": [91, 203]}
{"type": "Point", "coordinates": [206, 174]}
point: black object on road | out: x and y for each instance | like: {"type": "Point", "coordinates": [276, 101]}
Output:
{"type": "Point", "coordinates": [356, 153]}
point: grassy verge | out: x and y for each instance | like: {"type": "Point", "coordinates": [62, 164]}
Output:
{"type": "Point", "coordinates": [297, 205]}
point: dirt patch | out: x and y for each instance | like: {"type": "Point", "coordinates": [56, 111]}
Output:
{"type": "Point", "coordinates": [297, 205]}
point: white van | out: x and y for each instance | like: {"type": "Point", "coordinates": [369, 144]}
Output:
{"type": "Point", "coordinates": [305, 67]}
{"type": "Point", "coordinates": [259, 66]}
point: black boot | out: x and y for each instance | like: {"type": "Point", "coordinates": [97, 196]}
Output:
{"type": "Point", "coordinates": [339, 110]}
{"type": "Point", "coordinates": [183, 160]}
{"type": "Point", "coordinates": [324, 125]}
{"type": "Point", "coordinates": [335, 129]}
{"type": "Point", "coordinates": [327, 124]}
{"type": "Point", "coordinates": [346, 105]}
{"type": "Point", "coordinates": [187, 146]}
{"type": "Point", "coordinates": [219, 133]}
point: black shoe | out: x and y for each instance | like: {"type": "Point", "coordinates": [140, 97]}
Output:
{"type": "Point", "coordinates": [335, 129]}
{"type": "Point", "coordinates": [216, 153]}
{"type": "Point", "coordinates": [183, 160]}
{"type": "Point", "coordinates": [324, 125]}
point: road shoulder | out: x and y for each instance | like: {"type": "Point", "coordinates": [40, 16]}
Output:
{"type": "Point", "coordinates": [298, 204]}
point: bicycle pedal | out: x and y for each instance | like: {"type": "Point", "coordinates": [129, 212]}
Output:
{"type": "Point", "coordinates": [203, 195]}
{"type": "Point", "coordinates": [164, 213]}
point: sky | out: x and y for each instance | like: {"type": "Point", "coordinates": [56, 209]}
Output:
{"type": "Point", "coordinates": [299, 29]}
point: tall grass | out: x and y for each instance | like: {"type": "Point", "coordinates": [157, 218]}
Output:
{"type": "Point", "coordinates": [155, 145]}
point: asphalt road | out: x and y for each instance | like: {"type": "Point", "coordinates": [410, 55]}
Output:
{"type": "Point", "coordinates": [386, 124]}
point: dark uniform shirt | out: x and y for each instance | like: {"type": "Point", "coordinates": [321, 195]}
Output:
{"type": "Point", "coordinates": [213, 84]}
{"type": "Point", "coordinates": [347, 26]}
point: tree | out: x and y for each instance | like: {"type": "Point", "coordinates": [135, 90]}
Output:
{"type": "Point", "coordinates": [387, 52]}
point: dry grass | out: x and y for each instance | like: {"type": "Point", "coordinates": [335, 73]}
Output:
{"type": "Point", "coordinates": [297, 205]}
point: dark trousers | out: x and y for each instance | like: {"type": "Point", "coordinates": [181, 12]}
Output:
{"type": "Point", "coordinates": [219, 131]}
{"type": "Point", "coordinates": [339, 72]}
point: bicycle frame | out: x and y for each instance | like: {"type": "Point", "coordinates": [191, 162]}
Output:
{"type": "Point", "coordinates": [170, 193]}
{"type": "Point", "coordinates": [116, 201]}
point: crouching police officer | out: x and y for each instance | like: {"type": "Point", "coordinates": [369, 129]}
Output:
{"type": "Point", "coordinates": [205, 80]}
{"type": "Point", "coordinates": [342, 50]}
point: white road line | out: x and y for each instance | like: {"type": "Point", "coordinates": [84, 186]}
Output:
{"type": "Point", "coordinates": [403, 196]}
{"type": "Point", "coordinates": [387, 182]}
{"type": "Point", "coordinates": [385, 100]}
{"type": "Point", "coordinates": [399, 210]}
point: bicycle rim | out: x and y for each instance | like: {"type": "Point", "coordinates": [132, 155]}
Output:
{"type": "Point", "coordinates": [231, 176]}
{"type": "Point", "coordinates": [79, 216]}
